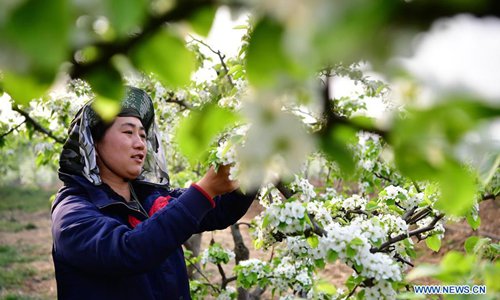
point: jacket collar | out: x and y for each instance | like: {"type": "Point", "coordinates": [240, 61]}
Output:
{"type": "Point", "coordinates": [100, 195]}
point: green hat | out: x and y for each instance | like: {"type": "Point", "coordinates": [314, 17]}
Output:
{"type": "Point", "coordinates": [136, 103]}
{"type": "Point", "coordinates": [78, 154]}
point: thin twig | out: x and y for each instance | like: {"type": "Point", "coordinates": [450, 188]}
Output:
{"type": "Point", "coordinates": [173, 99]}
{"type": "Point", "coordinates": [12, 130]}
{"type": "Point", "coordinates": [221, 59]}
{"type": "Point", "coordinates": [215, 288]}
{"type": "Point", "coordinates": [352, 292]}
{"type": "Point", "coordinates": [407, 235]}
{"type": "Point", "coordinates": [398, 257]}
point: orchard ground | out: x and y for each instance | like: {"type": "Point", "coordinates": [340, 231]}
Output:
{"type": "Point", "coordinates": [26, 270]}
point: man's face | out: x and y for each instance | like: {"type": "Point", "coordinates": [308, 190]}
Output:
{"type": "Point", "coordinates": [122, 150]}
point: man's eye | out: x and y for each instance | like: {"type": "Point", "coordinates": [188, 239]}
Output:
{"type": "Point", "coordinates": [128, 132]}
{"type": "Point", "coordinates": [143, 136]}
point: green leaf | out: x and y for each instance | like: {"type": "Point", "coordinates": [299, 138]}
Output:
{"type": "Point", "coordinates": [433, 242]}
{"type": "Point", "coordinates": [335, 145]}
{"type": "Point", "coordinates": [458, 189]}
{"type": "Point", "coordinates": [331, 256]}
{"type": "Point", "coordinates": [325, 287]}
{"type": "Point", "coordinates": [106, 108]}
{"type": "Point", "coordinates": [352, 281]}
{"type": "Point", "coordinates": [125, 15]}
{"type": "Point", "coordinates": [39, 30]}
{"type": "Point", "coordinates": [266, 59]}
{"type": "Point", "coordinates": [106, 81]}
{"type": "Point", "coordinates": [202, 19]}
{"type": "Point", "coordinates": [23, 89]}
{"type": "Point", "coordinates": [473, 218]}
{"type": "Point", "coordinates": [454, 266]}
{"type": "Point", "coordinates": [356, 242]}
{"type": "Point", "coordinates": [424, 270]}
{"type": "Point", "coordinates": [265, 221]}
{"type": "Point", "coordinates": [195, 133]}
{"type": "Point", "coordinates": [491, 275]}
{"type": "Point", "coordinates": [487, 167]}
{"type": "Point", "coordinates": [319, 263]}
{"type": "Point", "coordinates": [313, 241]}
{"type": "Point", "coordinates": [371, 205]}
{"type": "Point", "coordinates": [424, 139]}
{"type": "Point", "coordinates": [166, 56]}
{"type": "Point", "coordinates": [476, 245]}
{"type": "Point", "coordinates": [470, 243]}
{"type": "Point", "coordinates": [350, 251]}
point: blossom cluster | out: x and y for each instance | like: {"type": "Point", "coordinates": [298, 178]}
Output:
{"type": "Point", "coordinates": [305, 188]}
{"type": "Point", "coordinates": [353, 247]}
{"type": "Point", "coordinates": [226, 155]}
{"type": "Point", "coordinates": [216, 254]}
{"type": "Point", "coordinates": [381, 290]}
{"type": "Point", "coordinates": [405, 198]}
{"type": "Point", "coordinates": [229, 293]}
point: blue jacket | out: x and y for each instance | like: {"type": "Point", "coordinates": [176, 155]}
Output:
{"type": "Point", "coordinates": [99, 255]}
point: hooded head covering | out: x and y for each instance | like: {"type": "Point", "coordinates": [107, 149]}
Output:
{"type": "Point", "coordinates": [78, 154]}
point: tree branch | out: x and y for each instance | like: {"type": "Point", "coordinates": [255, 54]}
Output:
{"type": "Point", "coordinates": [107, 50]}
{"type": "Point", "coordinates": [490, 197]}
{"type": "Point", "coordinates": [12, 130]}
{"type": "Point", "coordinates": [380, 176]}
{"type": "Point", "coordinates": [37, 125]}
{"type": "Point", "coordinates": [223, 275]}
{"type": "Point", "coordinates": [221, 59]}
{"type": "Point", "coordinates": [353, 291]}
{"type": "Point", "coordinates": [174, 99]}
{"type": "Point", "coordinates": [409, 213]}
{"type": "Point", "coordinates": [284, 190]}
{"type": "Point", "coordinates": [398, 257]}
{"type": "Point", "coordinates": [332, 119]}
{"type": "Point", "coordinates": [420, 215]}
{"type": "Point", "coordinates": [216, 289]}
{"type": "Point", "coordinates": [407, 235]}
